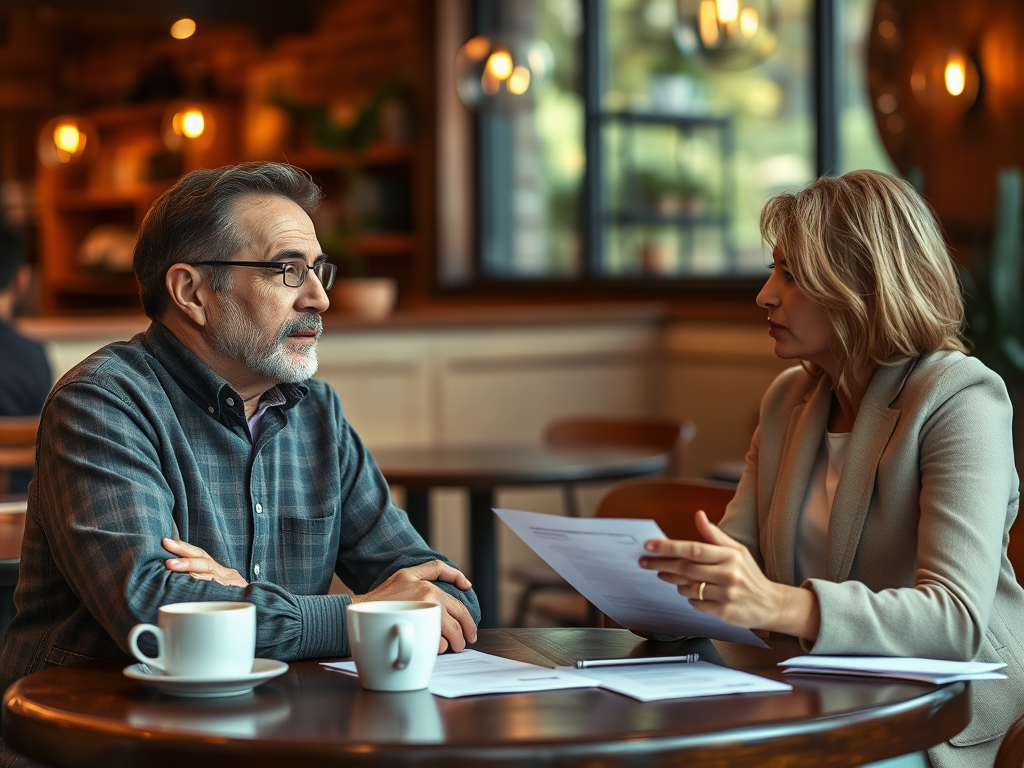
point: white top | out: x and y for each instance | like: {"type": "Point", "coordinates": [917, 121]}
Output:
{"type": "Point", "coordinates": [812, 527]}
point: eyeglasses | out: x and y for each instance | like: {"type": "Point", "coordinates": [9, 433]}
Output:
{"type": "Point", "coordinates": [293, 273]}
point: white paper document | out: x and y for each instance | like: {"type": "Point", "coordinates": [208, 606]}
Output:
{"type": "Point", "coordinates": [599, 555]}
{"type": "Point", "coordinates": [936, 671]}
{"type": "Point", "coordinates": [654, 682]}
{"type": "Point", "coordinates": [472, 673]}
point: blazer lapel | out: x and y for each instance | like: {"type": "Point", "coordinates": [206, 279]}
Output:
{"type": "Point", "coordinates": [807, 423]}
{"type": "Point", "coordinates": [871, 434]}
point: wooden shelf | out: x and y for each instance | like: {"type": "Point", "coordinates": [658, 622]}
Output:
{"type": "Point", "coordinates": [99, 283]}
{"type": "Point", "coordinates": [318, 159]}
{"type": "Point", "coordinates": [385, 244]}
{"type": "Point", "coordinates": [103, 199]}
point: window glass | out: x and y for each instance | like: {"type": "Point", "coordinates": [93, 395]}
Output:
{"type": "Point", "coordinates": [691, 152]}
{"type": "Point", "coordinates": [684, 157]}
{"type": "Point", "coordinates": [860, 146]}
{"type": "Point", "coordinates": [532, 162]}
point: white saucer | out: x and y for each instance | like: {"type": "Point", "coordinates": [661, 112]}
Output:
{"type": "Point", "coordinates": [262, 670]}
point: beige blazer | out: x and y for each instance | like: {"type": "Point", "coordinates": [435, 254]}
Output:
{"type": "Point", "coordinates": [918, 529]}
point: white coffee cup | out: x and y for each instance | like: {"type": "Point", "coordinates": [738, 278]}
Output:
{"type": "Point", "coordinates": [201, 640]}
{"type": "Point", "coordinates": [394, 643]}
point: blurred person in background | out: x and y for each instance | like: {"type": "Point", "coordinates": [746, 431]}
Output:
{"type": "Point", "coordinates": [25, 377]}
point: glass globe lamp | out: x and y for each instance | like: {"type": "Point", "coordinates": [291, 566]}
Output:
{"type": "Point", "coordinates": [727, 34]}
{"type": "Point", "coordinates": [501, 72]}
{"type": "Point", "coordinates": [67, 140]}
{"type": "Point", "coordinates": [946, 81]}
{"type": "Point", "coordinates": [188, 125]}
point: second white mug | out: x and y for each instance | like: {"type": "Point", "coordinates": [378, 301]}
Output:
{"type": "Point", "coordinates": [394, 643]}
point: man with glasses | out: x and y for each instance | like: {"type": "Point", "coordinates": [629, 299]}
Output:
{"type": "Point", "coordinates": [200, 461]}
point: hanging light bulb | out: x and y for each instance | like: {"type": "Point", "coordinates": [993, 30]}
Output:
{"type": "Point", "coordinates": [946, 82]}
{"type": "Point", "coordinates": [501, 72]}
{"type": "Point", "coordinates": [727, 34]}
{"type": "Point", "coordinates": [188, 125]}
{"type": "Point", "coordinates": [66, 140]}
{"type": "Point", "coordinates": [955, 75]}
{"type": "Point", "coordinates": [183, 29]}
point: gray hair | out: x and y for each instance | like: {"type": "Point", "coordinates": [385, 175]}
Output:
{"type": "Point", "coordinates": [194, 221]}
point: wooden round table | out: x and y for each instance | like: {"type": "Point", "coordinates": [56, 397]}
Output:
{"type": "Point", "coordinates": [89, 714]}
{"type": "Point", "coordinates": [482, 469]}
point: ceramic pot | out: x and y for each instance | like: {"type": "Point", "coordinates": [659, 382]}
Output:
{"type": "Point", "coordinates": [368, 298]}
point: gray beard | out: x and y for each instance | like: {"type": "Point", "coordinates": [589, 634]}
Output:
{"type": "Point", "coordinates": [241, 340]}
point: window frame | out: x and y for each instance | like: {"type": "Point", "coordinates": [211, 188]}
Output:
{"type": "Point", "coordinates": [825, 98]}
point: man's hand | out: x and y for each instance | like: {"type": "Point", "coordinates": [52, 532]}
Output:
{"type": "Point", "coordinates": [457, 627]}
{"type": "Point", "coordinates": [199, 565]}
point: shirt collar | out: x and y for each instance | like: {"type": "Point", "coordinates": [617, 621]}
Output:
{"type": "Point", "coordinates": [204, 385]}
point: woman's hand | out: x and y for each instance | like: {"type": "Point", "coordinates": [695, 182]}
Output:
{"type": "Point", "coordinates": [199, 565]}
{"type": "Point", "coordinates": [734, 587]}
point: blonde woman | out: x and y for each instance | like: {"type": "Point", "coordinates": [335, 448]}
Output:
{"type": "Point", "coordinates": [873, 514]}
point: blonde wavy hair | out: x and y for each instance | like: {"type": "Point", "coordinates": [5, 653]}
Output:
{"type": "Point", "coordinates": [869, 250]}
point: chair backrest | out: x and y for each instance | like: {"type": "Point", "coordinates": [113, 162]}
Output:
{"type": "Point", "coordinates": [1011, 751]}
{"type": "Point", "coordinates": [664, 435]}
{"type": "Point", "coordinates": [17, 446]}
{"type": "Point", "coordinates": [670, 502]}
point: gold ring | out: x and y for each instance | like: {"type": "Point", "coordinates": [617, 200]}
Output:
{"type": "Point", "coordinates": [700, 591]}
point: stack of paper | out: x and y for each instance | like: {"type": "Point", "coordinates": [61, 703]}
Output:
{"type": "Point", "coordinates": [472, 673]}
{"type": "Point", "coordinates": [655, 682]}
{"type": "Point", "coordinates": [935, 671]}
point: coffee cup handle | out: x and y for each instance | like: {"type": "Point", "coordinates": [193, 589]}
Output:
{"type": "Point", "coordinates": [406, 638]}
{"type": "Point", "coordinates": [156, 662]}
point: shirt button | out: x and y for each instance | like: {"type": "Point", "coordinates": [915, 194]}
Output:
{"type": "Point", "coordinates": [230, 401]}
{"type": "Point", "coordinates": [256, 569]}
{"type": "Point", "coordinates": [259, 509]}
{"type": "Point", "coordinates": [211, 409]}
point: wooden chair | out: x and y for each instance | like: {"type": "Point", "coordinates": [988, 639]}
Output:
{"type": "Point", "coordinates": [670, 502]}
{"type": "Point", "coordinates": [660, 435]}
{"type": "Point", "coordinates": [1011, 751]}
{"type": "Point", "coordinates": [17, 447]}
{"type": "Point", "coordinates": [670, 436]}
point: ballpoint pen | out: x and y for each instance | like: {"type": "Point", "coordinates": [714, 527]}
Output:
{"type": "Point", "coordinates": [687, 659]}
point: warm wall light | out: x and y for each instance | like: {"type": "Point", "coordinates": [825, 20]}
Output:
{"type": "Point", "coordinates": [501, 72]}
{"type": "Point", "coordinates": [183, 29]}
{"type": "Point", "coordinates": [65, 140]}
{"type": "Point", "coordinates": [726, 10]}
{"type": "Point", "coordinates": [946, 82]}
{"type": "Point", "coordinates": [728, 34]}
{"type": "Point", "coordinates": [499, 64]}
{"type": "Point", "coordinates": [956, 75]}
{"type": "Point", "coordinates": [188, 125]}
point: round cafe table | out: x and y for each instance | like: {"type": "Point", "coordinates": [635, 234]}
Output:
{"type": "Point", "coordinates": [482, 469]}
{"type": "Point", "coordinates": [89, 714]}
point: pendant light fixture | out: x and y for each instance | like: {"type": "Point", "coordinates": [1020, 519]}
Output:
{"type": "Point", "coordinates": [727, 34]}
{"type": "Point", "coordinates": [502, 71]}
